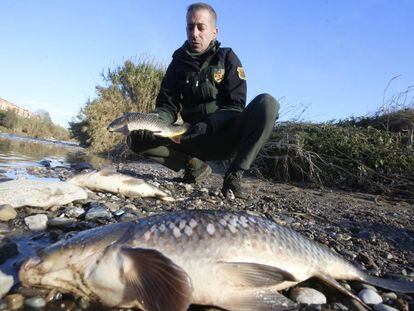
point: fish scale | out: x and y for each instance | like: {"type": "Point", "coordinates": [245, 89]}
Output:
{"type": "Point", "coordinates": [133, 121]}
{"type": "Point", "coordinates": [233, 260]}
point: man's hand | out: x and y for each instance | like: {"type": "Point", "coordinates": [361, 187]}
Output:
{"type": "Point", "coordinates": [198, 129]}
{"type": "Point", "coordinates": [140, 140]}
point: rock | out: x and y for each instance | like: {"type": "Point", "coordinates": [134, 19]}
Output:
{"type": "Point", "coordinates": [45, 163]}
{"type": "Point", "coordinates": [14, 301]}
{"type": "Point", "coordinates": [230, 195]}
{"type": "Point", "coordinates": [36, 222]}
{"type": "Point", "coordinates": [81, 166]}
{"type": "Point", "coordinates": [112, 206]}
{"type": "Point", "coordinates": [6, 283]}
{"type": "Point", "coordinates": [74, 212]}
{"type": "Point", "coordinates": [127, 217]}
{"type": "Point", "coordinates": [307, 295]}
{"type": "Point", "coordinates": [35, 302]}
{"type": "Point", "coordinates": [389, 296]}
{"type": "Point", "coordinates": [4, 228]}
{"type": "Point", "coordinates": [59, 222]}
{"type": "Point", "coordinates": [39, 193]}
{"type": "Point", "coordinates": [384, 307]}
{"type": "Point", "coordinates": [93, 196]}
{"type": "Point", "coordinates": [370, 297]}
{"type": "Point", "coordinates": [188, 187]}
{"type": "Point", "coordinates": [97, 212]}
{"type": "Point", "coordinates": [7, 212]}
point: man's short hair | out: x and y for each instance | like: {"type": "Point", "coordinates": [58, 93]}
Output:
{"type": "Point", "coordinates": [203, 6]}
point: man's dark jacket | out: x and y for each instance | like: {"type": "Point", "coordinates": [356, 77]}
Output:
{"type": "Point", "coordinates": [209, 87]}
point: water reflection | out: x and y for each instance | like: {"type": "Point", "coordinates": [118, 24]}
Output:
{"type": "Point", "coordinates": [18, 154]}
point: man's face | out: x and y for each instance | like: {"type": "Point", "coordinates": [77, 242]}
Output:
{"type": "Point", "coordinates": [200, 30]}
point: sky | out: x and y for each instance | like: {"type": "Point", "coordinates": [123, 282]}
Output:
{"type": "Point", "coordinates": [322, 59]}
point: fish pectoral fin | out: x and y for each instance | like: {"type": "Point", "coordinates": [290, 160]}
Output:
{"type": "Point", "coordinates": [330, 281]}
{"type": "Point", "coordinates": [155, 280]}
{"type": "Point", "coordinates": [176, 139]}
{"type": "Point", "coordinates": [253, 274]}
{"type": "Point", "coordinates": [258, 299]}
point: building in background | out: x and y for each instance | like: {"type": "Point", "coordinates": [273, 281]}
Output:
{"type": "Point", "coordinates": [6, 105]}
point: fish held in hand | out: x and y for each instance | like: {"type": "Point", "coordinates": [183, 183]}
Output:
{"type": "Point", "coordinates": [235, 261]}
{"type": "Point", "coordinates": [133, 121]}
{"type": "Point", "coordinates": [109, 180]}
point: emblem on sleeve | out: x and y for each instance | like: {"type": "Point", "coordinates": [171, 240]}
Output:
{"type": "Point", "coordinates": [218, 75]}
{"type": "Point", "coordinates": [241, 73]}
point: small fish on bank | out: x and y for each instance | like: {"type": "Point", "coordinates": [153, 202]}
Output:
{"type": "Point", "coordinates": [133, 121]}
{"type": "Point", "coordinates": [234, 261]}
{"type": "Point", "coordinates": [109, 180]}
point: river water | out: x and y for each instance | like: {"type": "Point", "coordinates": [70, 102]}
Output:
{"type": "Point", "coordinates": [19, 155]}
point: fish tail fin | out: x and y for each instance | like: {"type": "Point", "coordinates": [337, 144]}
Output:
{"type": "Point", "coordinates": [401, 286]}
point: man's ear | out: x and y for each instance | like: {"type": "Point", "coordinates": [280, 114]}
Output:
{"type": "Point", "coordinates": [215, 32]}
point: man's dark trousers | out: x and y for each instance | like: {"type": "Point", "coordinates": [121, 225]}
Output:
{"type": "Point", "coordinates": [240, 139]}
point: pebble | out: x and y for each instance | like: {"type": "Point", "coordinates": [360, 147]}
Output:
{"type": "Point", "coordinates": [74, 212]}
{"type": "Point", "coordinates": [36, 222]}
{"type": "Point", "coordinates": [97, 212]}
{"type": "Point", "coordinates": [384, 307]}
{"type": "Point", "coordinates": [188, 187]}
{"type": "Point", "coordinates": [3, 305]}
{"type": "Point", "coordinates": [113, 207]}
{"type": "Point", "coordinates": [370, 297]}
{"type": "Point", "coordinates": [35, 302]}
{"type": "Point", "coordinates": [230, 195]}
{"type": "Point", "coordinates": [59, 222]}
{"type": "Point", "coordinates": [389, 296]}
{"type": "Point", "coordinates": [14, 301]}
{"type": "Point", "coordinates": [6, 283]}
{"type": "Point", "coordinates": [7, 212]}
{"type": "Point", "coordinates": [307, 295]}
{"type": "Point", "coordinates": [127, 217]}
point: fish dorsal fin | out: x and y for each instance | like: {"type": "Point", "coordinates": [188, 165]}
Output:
{"type": "Point", "coordinates": [156, 281]}
{"type": "Point", "coordinates": [253, 274]}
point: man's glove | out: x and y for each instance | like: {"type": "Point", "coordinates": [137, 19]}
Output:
{"type": "Point", "coordinates": [198, 129]}
{"type": "Point", "coordinates": [141, 140]}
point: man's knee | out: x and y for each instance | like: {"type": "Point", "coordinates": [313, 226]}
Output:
{"type": "Point", "coordinates": [267, 104]}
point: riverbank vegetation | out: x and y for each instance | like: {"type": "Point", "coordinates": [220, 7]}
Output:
{"type": "Point", "coordinates": [372, 153]}
{"type": "Point", "coordinates": [131, 87]}
{"type": "Point", "coordinates": [40, 126]}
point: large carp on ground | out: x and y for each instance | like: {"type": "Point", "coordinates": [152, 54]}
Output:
{"type": "Point", "coordinates": [133, 121]}
{"type": "Point", "coordinates": [235, 261]}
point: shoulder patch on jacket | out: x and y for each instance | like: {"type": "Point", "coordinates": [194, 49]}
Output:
{"type": "Point", "coordinates": [241, 73]}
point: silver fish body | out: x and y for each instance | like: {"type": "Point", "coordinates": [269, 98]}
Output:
{"type": "Point", "coordinates": [133, 121]}
{"type": "Point", "coordinates": [235, 261]}
{"type": "Point", "coordinates": [109, 180]}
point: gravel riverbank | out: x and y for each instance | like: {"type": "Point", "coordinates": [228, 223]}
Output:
{"type": "Point", "coordinates": [374, 233]}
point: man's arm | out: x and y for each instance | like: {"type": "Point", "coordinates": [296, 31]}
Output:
{"type": "Point", "coordinates": [167, 103]}
{"type": "Point", "coordinates": [232, 92]}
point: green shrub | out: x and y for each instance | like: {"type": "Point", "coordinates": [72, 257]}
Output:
{"type": "Point", "coordinates": [132, 87]}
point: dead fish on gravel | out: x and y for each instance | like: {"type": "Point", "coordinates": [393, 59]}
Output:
{"type": "Point", "coordinates": [109, 180]}
{"type": "Point", "coordinates": [133, 121]}
{"type": "Point", "coordinates": [235, 261]}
